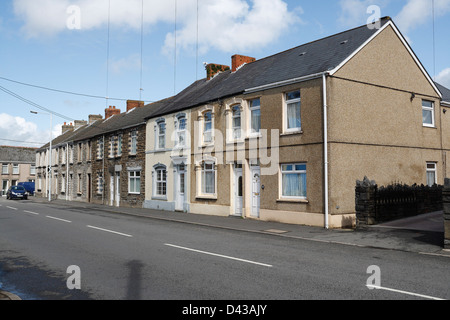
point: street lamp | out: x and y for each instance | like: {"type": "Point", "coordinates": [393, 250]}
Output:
{"type": "Point", "coordinates": [49, 159]}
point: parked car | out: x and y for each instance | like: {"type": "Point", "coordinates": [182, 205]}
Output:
{"type": "Point", "coordinates": [17, 192]}
{"type": "Point", "coordinates": [29, 186]}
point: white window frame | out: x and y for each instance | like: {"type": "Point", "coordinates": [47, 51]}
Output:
{"type": "Point", "coordinates": [32, 170]}
{"type": "Point", "coordinates": [181, 132]}
{"type": "Point", "coordinates": [160, 174]}
{"type": "Point", "coordinates": [133, 149]}
{"type": "Point", "coordinates": [79, 184]}
{"type": "Point", "coordinates": [235, 129]}
{"type": "Point", "coordinates": [99, 183]}
{"type": "Point", "coordinates": [433, 171]}
{"type": "Point", "coordinates": [161, 134]}
{"type": "Point", "coordinates": [293, 171]}
{"type": "Point", "coordinates": [287, 103]}
{"type": "Point", "coordinates": [207, 135]}
{"type": "Point", "coordinates": [428, 109]}
{"type": "Point", "coordinates": [251, 110]}
{"type": "Point", "coordinates": [16, 169]}
{"type": "Point", "coordinates": [133, 177]}
{"type": "Point", "coordinates": [63, 183]}
{"type": "Point", "coordinates": [204, 171]}
{"type": "Point", "coordinates": [3, 168]}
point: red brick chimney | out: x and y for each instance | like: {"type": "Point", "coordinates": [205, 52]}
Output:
{"type": "Point", "coordinates": [131, 104]}
{"type": "Point", "coordinates": [111, 111]}
{"type": "Point", "coordinates": [238, 60]}
{"type": "Point", "coordinates": [212, 69]}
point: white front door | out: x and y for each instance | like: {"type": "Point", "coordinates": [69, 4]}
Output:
{"type": "Point", "coordinates": [180, 184]}
{"type": "Point", "coordinates": [256, 191]}
{"type": "Point", "coordinates": [117, 189]}
{"type": "Point", "coordinates": [238, 189]}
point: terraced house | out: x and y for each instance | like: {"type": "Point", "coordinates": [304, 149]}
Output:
{"type": "Point", "coordinates": [101, 160]}
{"type": "Point", "coordinates": [283, 138]}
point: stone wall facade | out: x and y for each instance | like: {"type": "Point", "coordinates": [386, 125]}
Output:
{"type": "Point", "coordinates": [446, 205]}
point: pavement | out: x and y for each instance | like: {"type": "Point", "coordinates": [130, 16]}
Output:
{"type": "Point", "coordinates": [422, 234]}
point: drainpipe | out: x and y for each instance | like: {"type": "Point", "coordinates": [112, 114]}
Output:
{"type": "Point", "coordinates": [325, 148]}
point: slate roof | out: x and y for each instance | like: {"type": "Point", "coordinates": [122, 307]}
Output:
{"type": "Point", "coordinates": [308, 59]}
{"type": "Point", "coordinates": [17, 154]}
{"type": "Point", "coordinates": [445, 92]}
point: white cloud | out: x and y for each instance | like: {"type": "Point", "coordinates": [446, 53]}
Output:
{"type": "Point", "coordinates": [234, 25]}
{"type": "Point", "coordinates": [18, 132]}
{"type": "Point", "coordinates": [228, 25]}
{"type": "Point", "coordinates": [131, 62]}
{"type": "Point", "coordinates": [418, 12]}
{"type": "Point", "coordinates": [443, 78]}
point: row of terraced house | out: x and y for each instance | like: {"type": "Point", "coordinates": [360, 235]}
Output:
{"type": "Point", "coordinates": [283, 138]}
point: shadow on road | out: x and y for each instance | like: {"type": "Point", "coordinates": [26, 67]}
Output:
{"type": "Point", "coordinates": [134, 291]}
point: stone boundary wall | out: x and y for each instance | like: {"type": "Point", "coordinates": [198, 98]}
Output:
{"type": "Point", "coordinates": [375, 204]}
{"type": "Point", "coordinates": [446, 205]}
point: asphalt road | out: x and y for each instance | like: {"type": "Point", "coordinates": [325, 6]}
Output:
{"type": "Point", "coordinates": [123, 257]}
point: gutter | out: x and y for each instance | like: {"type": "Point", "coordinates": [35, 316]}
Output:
{"type": "Point", "coordinates": [284, 83]}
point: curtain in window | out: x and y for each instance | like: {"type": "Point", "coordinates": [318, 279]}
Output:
{"type": "Point", "coordinates": [208, 180]}
{"type": "Point", "coordinates": [293, 115]}
{"type": "Point", "coordinates": [294, 185]}
{"type": "Point", "coordinates": [256, 120]}
{"type": "Point", "coordinates": [431, 178]}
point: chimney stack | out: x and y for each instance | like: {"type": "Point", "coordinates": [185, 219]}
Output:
{"type": "Point", "coordinates": [111, 111]}
{"type": "Point", "coordinates": [79, 123]}
{"type": "Point", "coordinates": [67, 127]}
{"type": "Point", "coordinates": [212, 69]}
{"type": "Point", "coordinates": [95, 117]}
{"type": "Point", "coordinates": [131, 104]}
{"type": "Point", "coordinates": [238, 60]}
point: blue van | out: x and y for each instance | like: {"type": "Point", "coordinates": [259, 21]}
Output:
{"type": "Point", "coordinates": [29, 187]}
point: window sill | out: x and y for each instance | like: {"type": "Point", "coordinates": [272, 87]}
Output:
{"type": "Point", "coordinates": [293, 200]}
{"type": "Point", "coordinates": [206, 197]}
{"type": "Point", "coordinates": [429, 126]}
{"type": "Point", "coordinates": [160, 198]}
{"type": "Point", "coordinates": [290, 133]}
{"type": "Point", "coordinates": [237, 141]}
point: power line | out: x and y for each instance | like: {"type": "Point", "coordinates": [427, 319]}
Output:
{"type": "Point", "coordinates": [19, 97]}
{"type": "Point", "coordinates": [60, 91]}
{"type": "Point", "coordinates": [21, 141]}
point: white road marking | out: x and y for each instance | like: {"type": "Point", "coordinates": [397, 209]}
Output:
{"type": "Point", "coordinates": [403, 292]}
{"type": "Point", "coordinates": [36, 214]}
{"type": "Point", "coordinates": [63, 220]}
{"type": "Point", "coordinates": [11, 208]}
{"type": "Point", "coordinates": [220, 255]}
{"type": "Point", "coordinates": [111, 231]}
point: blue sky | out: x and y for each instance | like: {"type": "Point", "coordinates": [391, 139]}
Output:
{"type": "Point", "coordinates": [63, 45]}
